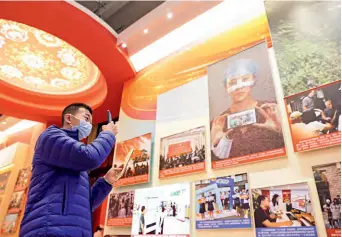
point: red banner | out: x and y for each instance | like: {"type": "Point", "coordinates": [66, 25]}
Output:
{"type": "Point", "coordinates": [266, 193]}
{"type": "Point", "coordinates": [131, 180]}
{"type": "Point", "coordinates": [334, 232]}
{"type": "Point", "coordinates": [179, 148]}
{"type": "Point", "coordinates": [119, 221]}
{"type": "Point", "coordinates": [266, 155]}
{"type": "Point", "coordinates": [188, 169]}
{"type": "Point", "coordinates": [286, 196]}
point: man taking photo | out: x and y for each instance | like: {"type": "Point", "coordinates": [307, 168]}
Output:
{"type": "Point", "coordinates": [60, 200]}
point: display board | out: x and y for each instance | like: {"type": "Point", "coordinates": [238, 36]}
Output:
{"type": "Point", "coordinates": [17, 202]}
{"type": "Point", "coordinates": [223, 202]}
{"type": "Point", "coordinates": [315, 117]}
{"type": "Point", "coordinates": [182, 153]}
{"type": "Point", "coordinates": [244, 120]}
{"type": "Point", "coordinates": [307, 51]}
{"type": "Point", "coordinates": [286, 209]}
{"type": "Point", "coordinates": [3, 181]}
{"type": "Point", "coordinates": [328, 183]}
{"type": "Point", "coordinates": [120, 209]}
{"type": "Point", "coordinates": [10, 224]}
{"type": "Point", "coordinates": [162, 211]}
{"type": "Point", "coordinates": [132, 159]}
{"type": "Point", "coordinates": [23, 179]}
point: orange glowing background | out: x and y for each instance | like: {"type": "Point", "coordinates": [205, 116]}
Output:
{"type": "Point", "coordinates": [137, 143]}
{"type": "Point", "coordinates": [140, 94]}
{"type": "Point", "coordinates": [35, 60]}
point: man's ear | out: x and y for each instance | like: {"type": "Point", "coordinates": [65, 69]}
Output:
{"type": "Point", "coordinates": [67, 119]}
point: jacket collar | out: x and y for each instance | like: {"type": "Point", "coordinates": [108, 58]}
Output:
{"type": "Point", "coordinates": [71, 133]}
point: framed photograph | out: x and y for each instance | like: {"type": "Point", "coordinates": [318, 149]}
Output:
{"type": "Point", "coordinates": [315, 117]}
{"type": "Point", "coordinates": [284, 209]}
{"type": "Point", "coordinates": [10, 224]}
{"type": "Point", "coordinates": [162, 211]}
{"type": "Point", "coordinates": [3, 181]}
{"type": "Point", "coordinates": [17, 202]}
{"type": "Point", "coordinates": [132, 160]}
{"type": "Point", "coordinates": [182, 153]}
{"type": "Point", "coordinates": [120, 209]}
{"type": "Point", "coordinates": [328, 183]}
{"type": "Point", "coordinates": [245, 126]}
{"type": "Point", "coordinates": [223, 203]}
{"type": "Point", "coordinates": [23, 179]}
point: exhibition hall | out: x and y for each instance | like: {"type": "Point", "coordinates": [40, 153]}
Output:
{"type": "Point", "coordinates": [170, 118]}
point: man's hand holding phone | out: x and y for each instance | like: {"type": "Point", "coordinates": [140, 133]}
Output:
{"type": "Point", "coordinates": [111, 127]}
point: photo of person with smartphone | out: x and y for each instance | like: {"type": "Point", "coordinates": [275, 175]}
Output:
{"type": "Point", "coordinates": [244, 115]}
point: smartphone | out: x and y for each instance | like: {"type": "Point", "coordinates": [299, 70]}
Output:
{"type": "Point", "coordinates": [109, 116]}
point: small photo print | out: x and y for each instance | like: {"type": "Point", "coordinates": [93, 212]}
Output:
{"type": "Point", "coordinates": [284, 209]}
{"type": "Point", "coordinates": [10, 224]}
{"type": "Point", "coordinates": [17, 201]}
{"type": "Point", "coordinates": [243, 118]}
{"type": "Point", "coordinates": [23, 179]}
{"type": "Point", "coordinates": [120, 209]}
{"type": "Point", "coordinates": [3, 181]}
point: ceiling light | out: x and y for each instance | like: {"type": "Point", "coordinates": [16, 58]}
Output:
{"type": "Point", "coordinates": [124, 45]}
{"type": "Point", "coordinates": [145, 31]}
{"type": "Point", "coordinates": [169, 15]}
{"type": "Point", "coordinates": [4, 122]}
{"type": "Point", "coordinates": [226, 15]}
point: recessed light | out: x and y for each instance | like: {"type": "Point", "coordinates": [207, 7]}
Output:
{"type": "Point", "coordinates": [145, 31]}
{"type": "Point", "coordinates": [124, 45]}
{"type": "Point", "coordinates": [169, 15]}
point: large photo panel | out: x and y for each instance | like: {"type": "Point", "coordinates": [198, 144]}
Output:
{"type": "Point", "coordinates": [284, 210]}
{"type": "Point", "coordinates": [315, 117]}
{"type": "Point", "coordinates": [306, 37]}
{"type": "Point", "coordinates": [162, 211]}
{"type": "Point", "coordinates": [328, 183]}
{"type": "Point", "coordinates": [223, 203]}
{"type": "Point", "coordinates": [132, 160]}
{"type": "Point", "coordinates": [244, 119]}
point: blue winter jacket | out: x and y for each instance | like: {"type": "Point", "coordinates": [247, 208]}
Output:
{"type": "Point", "coordinates": [60, 201]}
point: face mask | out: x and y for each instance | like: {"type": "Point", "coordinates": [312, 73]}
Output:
{"type": "Point", "coordinates": [84, 129]}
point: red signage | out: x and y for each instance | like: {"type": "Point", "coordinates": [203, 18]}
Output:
{"type": "Point", "coordinates": [179, 148]}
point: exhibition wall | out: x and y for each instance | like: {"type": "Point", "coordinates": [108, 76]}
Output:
{"type": "Point", "coordinates": [16, 157]}
{"type": "Point", "coordinates": [174, 96]}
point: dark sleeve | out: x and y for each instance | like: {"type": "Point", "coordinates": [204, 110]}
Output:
{"type": "Point", "coordinates": [260, 217]}
{"type": "Point", "coordinates": [99, 192]}
{"type": "Point", "coordinates": [58, 149]}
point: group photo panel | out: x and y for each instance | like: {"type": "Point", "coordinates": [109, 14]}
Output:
{"type": "Point", "coordinates": [223, 203]}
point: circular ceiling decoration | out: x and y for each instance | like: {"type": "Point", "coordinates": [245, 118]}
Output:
{"type": "Point", "coordinates": [38, 61]}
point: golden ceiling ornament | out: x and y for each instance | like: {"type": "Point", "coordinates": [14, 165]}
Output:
{"type": "Point", "coordinates": [38, 61]}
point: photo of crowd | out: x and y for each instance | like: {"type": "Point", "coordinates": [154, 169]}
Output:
{"type": "Point", "coordinates": [3, 181]}
{"type": "Point", "coordinates": [23, 179]}
{"type": "Point", "coordinates": [121, 205]}
{"type": "Point", "coordinates": [328, 183]}
{"type": "Point", "coordinates": [10, 224]}
{"type": "Point", "coordinates": [182, 149]}
{"type": "Point", "coordinates": [223, 202]}
{"type": "Point", "coordinates": [163, 210]}
{"type": "Point", "coordinates": [282, 207]}
{"type": "Point", "coordinates": [241, 88]}
{"type": "Point", "coordinates": [315, 112]}
{"type": "Point", "coordinates": [132, 160]}
{"type": "Point", "coordinates": [16, 202]}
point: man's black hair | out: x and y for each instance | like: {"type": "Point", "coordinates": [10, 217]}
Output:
{"type": "Point", "coordinates": [73, 109]}
{"type": "Point", "coordinates": [260, 199]}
